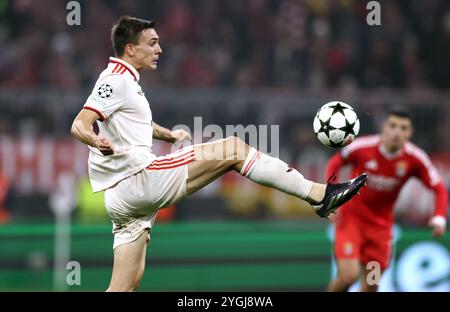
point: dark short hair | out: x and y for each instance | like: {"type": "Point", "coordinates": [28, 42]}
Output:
{"type": "Point", "coordinates": [399, 111]}
{"type": "Point", "coordinates": [127, 30]}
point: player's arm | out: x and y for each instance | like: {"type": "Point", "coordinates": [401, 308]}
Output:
{"type": "Point", "coordinates": [107, 97]}
{"type": "Point", "coordinates": [82, 130]}
{"type": "Point", "coordinates": [336, 162]}
{"type": "Point", "coordinates": [334, 165]}
{"type": "Point", "coordinates": [428, 174]}
{"type": "Point", "coordinates": [439, 220]}
{"type": "Point", "coordinates": [349, 155]}
{"type": "Point", "coordinates": [164, 134]}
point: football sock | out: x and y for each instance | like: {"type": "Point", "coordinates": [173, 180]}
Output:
{"type": "Point", "coordinates": [270, 171]}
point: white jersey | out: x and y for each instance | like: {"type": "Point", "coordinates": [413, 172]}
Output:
{"type": "Point", "coordinates": [126, 121]}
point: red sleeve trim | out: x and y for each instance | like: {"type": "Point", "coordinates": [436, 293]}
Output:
{"type": "Point", "coordinates": [100, 115]}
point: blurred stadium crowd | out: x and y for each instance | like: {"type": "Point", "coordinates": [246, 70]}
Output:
{"type": "Point", "coordinates": [226, 43]}
{"type": "Point", "coordinates": [249, 62]}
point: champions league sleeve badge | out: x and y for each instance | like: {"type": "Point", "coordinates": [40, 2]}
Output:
{"type": "Point", "coordinates": [105, 91]}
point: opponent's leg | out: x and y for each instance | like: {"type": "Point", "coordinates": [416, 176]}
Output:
{"type": "Point", "coordinates": [129, 264]}
{"type": "Point", "coordinates": [348, 273]}
{"type": "Point", "coordinates": [368, 284]}
{"type": "Point", "coordinates": [375, 256]}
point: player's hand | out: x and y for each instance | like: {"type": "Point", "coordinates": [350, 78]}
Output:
{"type": "Point", "coordinates": [438, 225]}
{"type": "Point", "coordinates": [333, 217]}
{"type": "Point", "coordinates": [180, 136]}
{"type": "Point", "coordinates": [103, 145]}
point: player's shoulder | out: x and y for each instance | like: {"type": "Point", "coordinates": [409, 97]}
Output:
{"type": "Point", "coordinates": [414, 151]}
{"type": "Point", "coordinates": [366, 140]}
{"type": "Point", "coordinates": [108, 75]}
{"type": "Point", "coordinates": [362, 143]}
{"type": "Point", "coordinates": [118, 74]}
{"type": "Point", "coordinates": [111, 82]}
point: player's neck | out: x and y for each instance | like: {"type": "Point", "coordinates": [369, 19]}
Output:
{"type": "Point", "coordinates": [131, 62]}
{"type": "Point", "coordinates": [389, 152]}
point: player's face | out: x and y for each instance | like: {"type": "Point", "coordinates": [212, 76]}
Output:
{"type": "Point", "coordinates": [147, 51]}
{"type": "Point", "coordinates": [395, 132]}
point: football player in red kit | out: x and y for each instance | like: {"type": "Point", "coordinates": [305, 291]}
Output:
{"type": "Point", "coordinates": [363, 226]}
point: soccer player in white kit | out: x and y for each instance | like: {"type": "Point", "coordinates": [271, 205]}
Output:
{"type": "Point", "coordinates": [136, 182]}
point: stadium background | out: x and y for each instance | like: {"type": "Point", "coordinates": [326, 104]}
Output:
{"type": "Point", "coordinates": [261, 62]}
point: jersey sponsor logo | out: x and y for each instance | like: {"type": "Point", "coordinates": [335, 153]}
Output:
{"type": "Point", "coordinates": [401, 168]}
{"type": "Point", "coordinates": [371, 164]}
{"type": "Point", "coordinates": [105, 91]}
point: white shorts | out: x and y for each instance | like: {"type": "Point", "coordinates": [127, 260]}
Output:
{"type": "Point", "coordinates": [133, 203]}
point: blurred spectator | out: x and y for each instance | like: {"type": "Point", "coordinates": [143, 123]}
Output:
{"type": "Point", "coordinates": [5, 197]}
{"type": "Point", "coordinates": [300, 43]}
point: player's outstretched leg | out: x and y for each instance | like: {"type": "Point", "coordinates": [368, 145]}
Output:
{"type": "Point", "coordinates": [338, 194]}
{"type": "Point", "coordinates": [216, 158]}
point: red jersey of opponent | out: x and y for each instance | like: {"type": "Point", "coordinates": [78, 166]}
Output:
{"type": "Point", "coordinates": [387, 173]}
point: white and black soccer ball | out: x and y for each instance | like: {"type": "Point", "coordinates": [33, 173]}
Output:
{"type": "Point", "coordinates": [336, 124]}
{"type": "Point", "coordinates": [105, 91]}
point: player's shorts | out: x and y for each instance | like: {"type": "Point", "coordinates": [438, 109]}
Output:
{"type": "Point", "coordinates": [133, 203]}
{"type": "Point", "coordinates": [355, 239]}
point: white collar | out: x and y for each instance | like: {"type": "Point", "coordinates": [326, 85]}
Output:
{"type": "Point", "coordinates": [129, 67]}
{"type": "Point", "coordinates": [388, 154]}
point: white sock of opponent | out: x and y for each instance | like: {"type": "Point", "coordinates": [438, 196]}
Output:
{"type": "Point", "coordinates": [270, 171]}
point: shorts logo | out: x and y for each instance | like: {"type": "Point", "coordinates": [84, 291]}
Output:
{"type": "Point", "coordinates": [105, 91]}
{"type": "Point", "coordinates": [348, 248]}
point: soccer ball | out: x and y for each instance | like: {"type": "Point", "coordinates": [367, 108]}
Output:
{"type": "Point", "coordinates": [336, 124]}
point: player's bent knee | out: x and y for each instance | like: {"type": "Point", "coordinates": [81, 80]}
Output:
{"type": "Point", "coordinates": [235, 141]}
{"type": "Point", "coordinates": [236, 148]}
